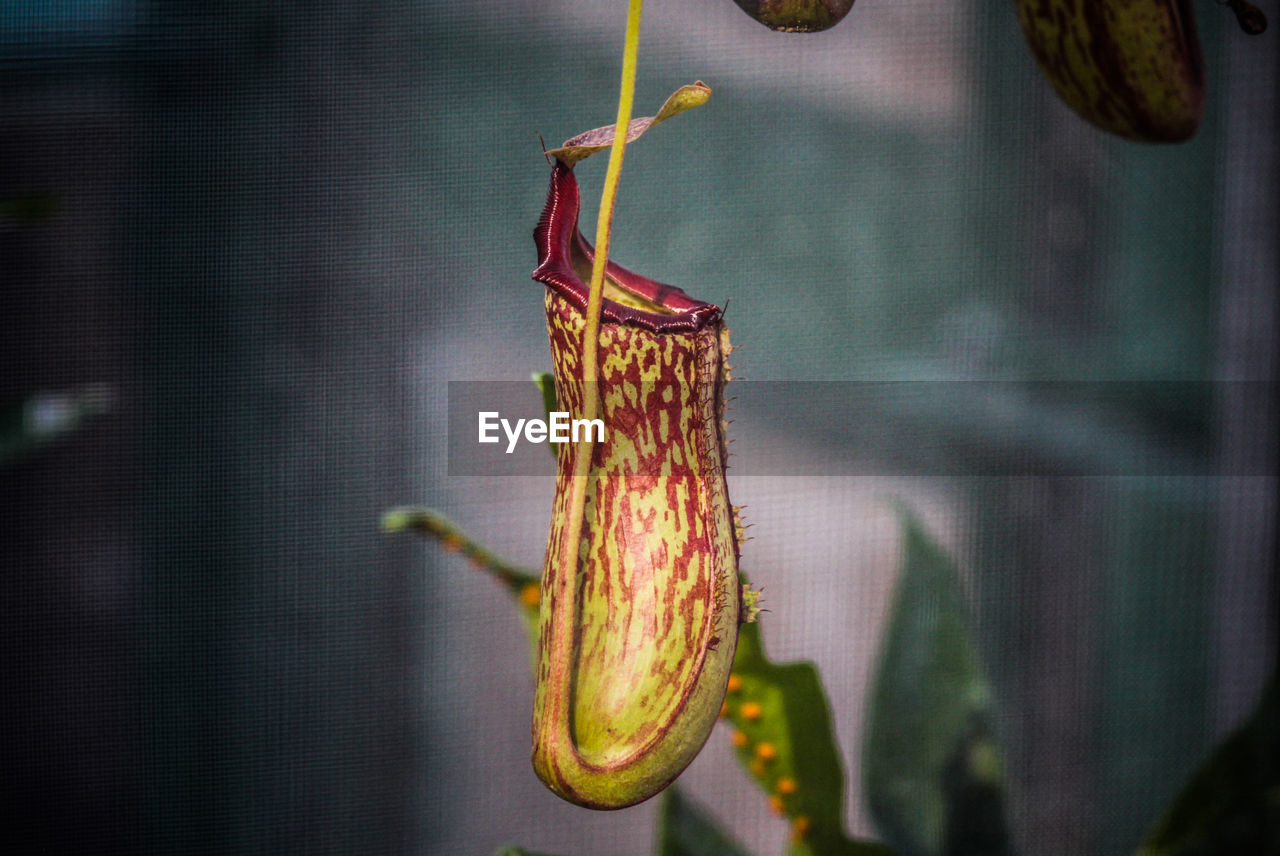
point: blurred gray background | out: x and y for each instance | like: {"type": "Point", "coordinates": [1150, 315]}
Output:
{"type": "Point", "coordinates": [278, 230]}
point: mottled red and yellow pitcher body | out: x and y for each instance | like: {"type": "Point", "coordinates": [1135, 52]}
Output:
{"type": "Point", "coordinates": [637, 636]}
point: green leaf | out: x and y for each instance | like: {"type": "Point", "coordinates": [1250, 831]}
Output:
{"type": "Point", "coordinates": [782, 733]}
{"type": "Point", "coordinates": [520, 582]}
{"type": "Point", "coordinates": [518, 851]}
{"type": "Point", "coordinates": [588, 143]}
{"type": "Point", "coordinates": [546, 383]}
{"type": "Point", "coordinates": [1232, 803]}
{"type": "Point", "coordinates": [684, 829]}
{"type": "Point", "coordinates": [931, 768]}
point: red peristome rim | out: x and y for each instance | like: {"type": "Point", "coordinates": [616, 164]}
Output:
{"type": "Point", "coordinates": [555, 237]}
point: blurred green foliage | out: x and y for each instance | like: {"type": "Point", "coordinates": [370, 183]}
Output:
{"type": "Point", "coordinates": [684, 829]}
{"type": "Point", "coordinates": [1231, 804]}
{"type": "Point", "coordinates": [32, 422]}
{"type": "Point", "coordinates": [931, 769]}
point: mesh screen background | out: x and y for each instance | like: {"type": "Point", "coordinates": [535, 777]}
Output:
{"type": "Point", "coordinates": [276, 231]}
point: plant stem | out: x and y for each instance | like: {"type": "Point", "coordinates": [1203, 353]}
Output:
{"type": "Point", "coordinates": [604, 223]}
{"type": "Point", "coordinates": [595, 297]}
{"type": "Point", "coordinates": [559, 645]}
{"type": "Point", "coordinates": [434, 525]}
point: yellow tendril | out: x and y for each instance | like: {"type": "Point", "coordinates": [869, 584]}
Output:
{"type": "Point", "coordinates": [595, 298]}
